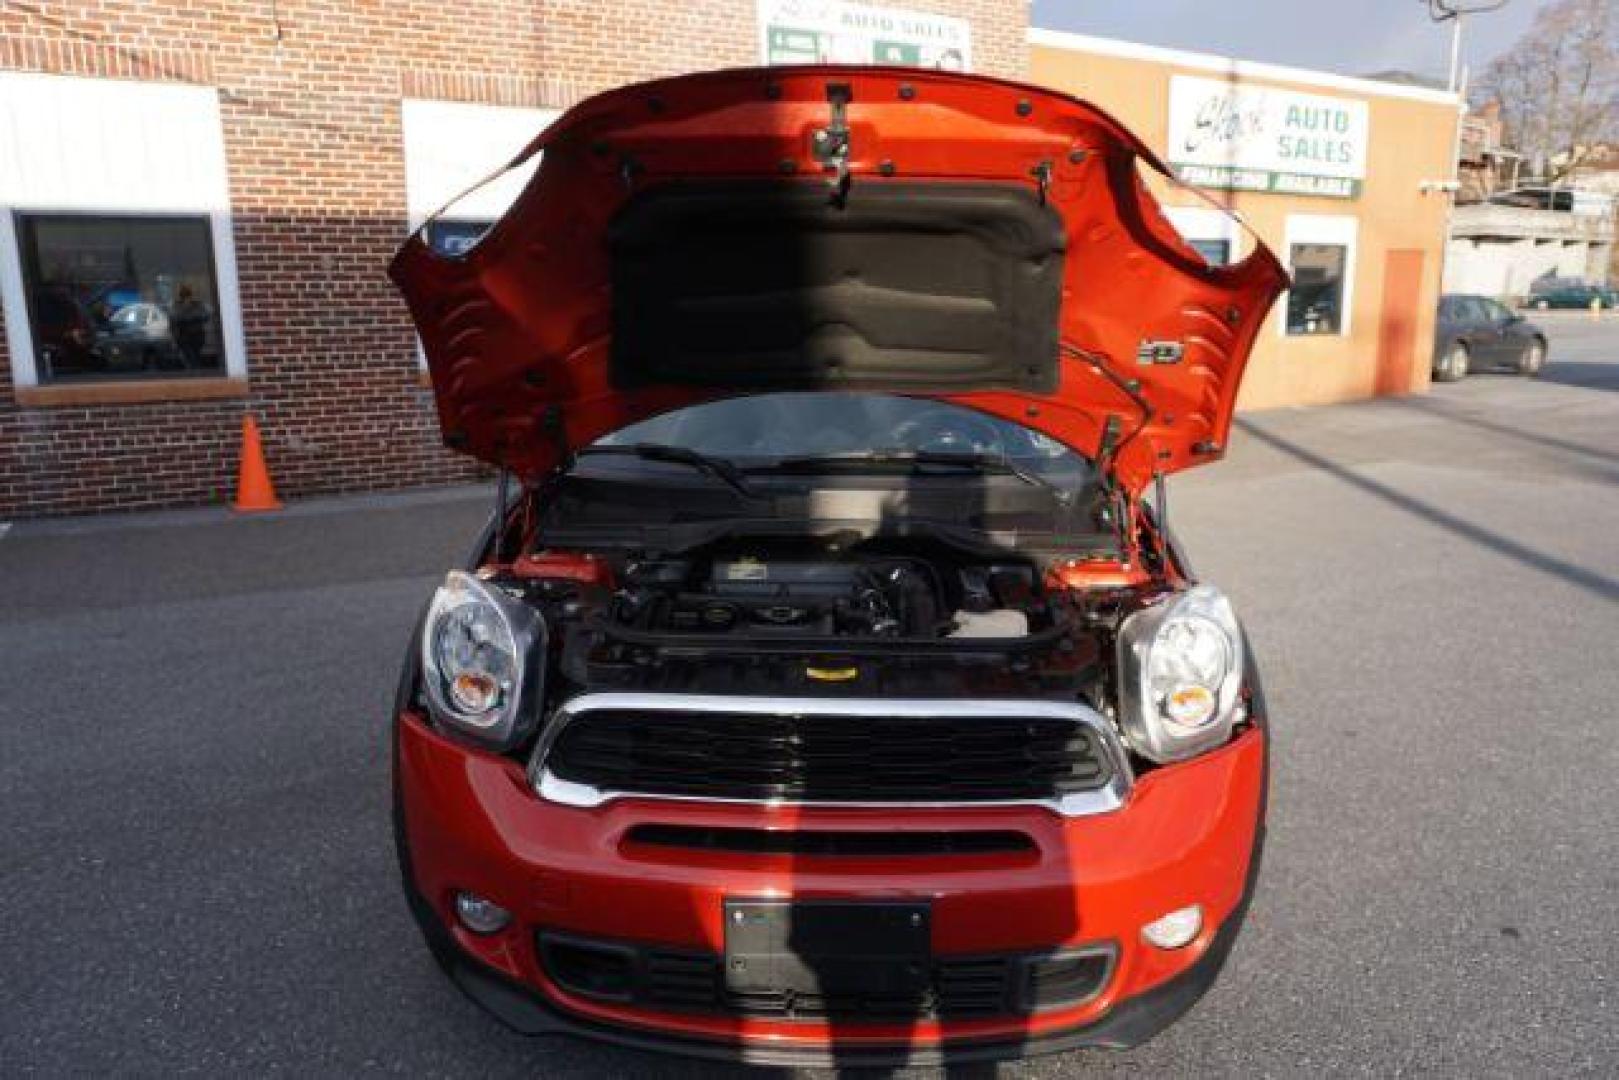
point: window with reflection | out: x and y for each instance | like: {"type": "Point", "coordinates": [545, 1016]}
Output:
{"type": "Point", "coordinates": [455, 236]}
{"type": "Point", "coordinates": [121, 297]}
{"type": "Point", "coordinates": [1215, 252]}
{"type": "Point", "coordinates": [1315, 303]}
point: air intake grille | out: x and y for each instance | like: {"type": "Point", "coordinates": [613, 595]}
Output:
{"type": "Point", "coordinates": [684, 980]}
{"type": "Point", "coordinates": [829, 757]}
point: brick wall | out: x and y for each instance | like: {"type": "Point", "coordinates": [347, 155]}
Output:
{"type": "Point", "coordinates": [309, 95]}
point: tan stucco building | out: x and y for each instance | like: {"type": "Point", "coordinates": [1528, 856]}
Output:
{"type": "Point", "coordinates": [1344, 178]}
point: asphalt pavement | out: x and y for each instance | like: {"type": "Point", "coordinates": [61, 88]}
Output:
{"type": "Point", "coordinates": [196, 872]}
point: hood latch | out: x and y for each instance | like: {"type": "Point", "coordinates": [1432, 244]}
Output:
{"type": "Point", "coordinates": [830, 144]}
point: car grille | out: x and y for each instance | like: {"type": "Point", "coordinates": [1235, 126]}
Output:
{"type": "Point", "coordinates": [689, 980]}
{"type": "Point", "coordinates": [830, 756]}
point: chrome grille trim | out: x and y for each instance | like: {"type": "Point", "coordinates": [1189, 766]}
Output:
{"type": "Point", "coordinates": [1102, 800]}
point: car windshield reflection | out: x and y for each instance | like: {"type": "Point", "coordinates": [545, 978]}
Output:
{"type": "Point", "coordinates": [762, 430]}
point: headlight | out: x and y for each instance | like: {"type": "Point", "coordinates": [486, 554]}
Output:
{"type": "Point", "coordinates": [1180, 666]}
{"type": "Point", "coordinates": [483, 657]}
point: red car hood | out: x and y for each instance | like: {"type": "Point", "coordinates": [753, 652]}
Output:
{"type": "Point", "coordinates": [916, 232]}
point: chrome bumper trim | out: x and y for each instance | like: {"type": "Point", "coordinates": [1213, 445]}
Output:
{"type": "Point", "coordinates": [1103, 800]}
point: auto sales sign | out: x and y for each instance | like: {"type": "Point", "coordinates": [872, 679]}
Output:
{"type": "Point", "coordinates": [840, 32]}
{"type": "Point", "coordinates": [1259, 138]}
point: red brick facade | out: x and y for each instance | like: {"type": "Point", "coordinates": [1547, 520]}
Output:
{"type": "Point", "coordinates": [310, 95]}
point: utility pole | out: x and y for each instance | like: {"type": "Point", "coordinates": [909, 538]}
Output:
{"type": "Point", "coordinates": [1455, 12]}
{"type": "Point", "coordinates": [1455, 48]}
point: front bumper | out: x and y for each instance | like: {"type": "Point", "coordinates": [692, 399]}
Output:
{"type": "Point", "coordinates": [1190, 833]}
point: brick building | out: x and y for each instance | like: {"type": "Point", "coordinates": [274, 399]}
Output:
{"type": "Point", "coordinates": [199, 198]}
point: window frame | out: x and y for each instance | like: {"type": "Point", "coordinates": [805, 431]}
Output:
{"type": "Point", "coordinates": [12, 235]}
{"type": "Point", "coordinates": [50, 108]}
{"type": "Point", "coordinates": [1208, 224]}
{"type": "Point", "coordinates": [1337, 230]}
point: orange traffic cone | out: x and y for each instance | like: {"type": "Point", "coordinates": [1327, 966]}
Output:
{"type": "Point", "coordinates": [253, 488]}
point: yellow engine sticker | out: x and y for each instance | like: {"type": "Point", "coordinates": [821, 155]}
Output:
{"type": "Point", "coordinates": [832, 674]}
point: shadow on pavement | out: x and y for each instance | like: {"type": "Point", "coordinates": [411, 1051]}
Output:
{"type": "Point", "coordinates": [1600, 584]}
{"type": "Point", "coordinates": [1589, 376]}
{"type": "Point", "coordinates": [1436, 408]}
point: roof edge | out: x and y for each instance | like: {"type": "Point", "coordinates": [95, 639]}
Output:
{"type": "Point", "coordinates": [1230, 66]}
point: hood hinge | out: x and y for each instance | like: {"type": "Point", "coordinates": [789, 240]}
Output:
{"type": "Point", "coordinates": [1042, 176]}
{"type": "Point", "coordinates": [551, 423]}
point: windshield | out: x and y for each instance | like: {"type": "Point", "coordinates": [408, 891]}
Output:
{"type": "Point", "coordinates": [761, 430]}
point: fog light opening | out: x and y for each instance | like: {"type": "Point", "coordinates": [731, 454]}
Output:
{"type": "Point", "coordinates": [1175, 930]}
{"type": "Point", "coordinates": [479, 915]}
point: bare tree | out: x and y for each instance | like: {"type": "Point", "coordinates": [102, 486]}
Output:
{"type": "Point", "coordinates": [1558, 86]}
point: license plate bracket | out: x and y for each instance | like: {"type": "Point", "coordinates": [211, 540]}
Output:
{"type": "Point", "coordinates": [829, 947]}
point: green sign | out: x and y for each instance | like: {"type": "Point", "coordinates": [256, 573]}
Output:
{"type": "Point", "coordinates": [1231, 178]}
{"type": "Point", "coordinates": [897, 52]}
{"type": "Point", "coordinates": [843, 32]}
{"type": "Point", "coordinates": [787, 45]}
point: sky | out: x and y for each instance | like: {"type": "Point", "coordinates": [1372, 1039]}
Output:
{"type": "Point", "coordinates": [1351, 37]}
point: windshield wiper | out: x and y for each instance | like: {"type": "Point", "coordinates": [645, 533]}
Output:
{"type": "Point", "coordinates": [719, 468]}
{"type": "Point", "coordinates": [912, 459]}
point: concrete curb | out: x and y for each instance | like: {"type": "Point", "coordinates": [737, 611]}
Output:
{"type": "Point", "coordinates": [317, 506]}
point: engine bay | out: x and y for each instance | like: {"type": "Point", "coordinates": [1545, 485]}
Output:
{"type": "Point", "coordinates": [902, 616]}
{"type": "Point", "coordinates": [794, 590]}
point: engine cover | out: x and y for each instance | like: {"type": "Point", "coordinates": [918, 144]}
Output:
{"type": "Point", "coordinates": [757, 577]}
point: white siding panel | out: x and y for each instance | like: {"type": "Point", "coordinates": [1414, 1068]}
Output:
{"type": "Point", "coordinates": [450, 145]}
{"type": "Point", "coordinates": [106, 144]}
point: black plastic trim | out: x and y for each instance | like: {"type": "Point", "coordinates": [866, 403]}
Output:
{"type": "Point", "coordinates": [832, 843]}
{"type": "Point", "coordinates": [952, 987]}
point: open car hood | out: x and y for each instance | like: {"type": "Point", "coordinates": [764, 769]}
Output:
{"type": "Point", "coordinates": [837, 228]}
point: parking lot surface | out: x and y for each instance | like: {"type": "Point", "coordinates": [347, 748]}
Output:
{"type": "Point", "coordinates": [196, 870]}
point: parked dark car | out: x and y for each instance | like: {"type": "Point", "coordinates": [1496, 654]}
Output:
{"type": "Point", "coordinates": [1573, 295]}
{"type": "Point", "coordinates": [1475, 333]}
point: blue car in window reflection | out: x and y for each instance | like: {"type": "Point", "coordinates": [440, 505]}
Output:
{"type": "Point", "coordinates": [138, 337]}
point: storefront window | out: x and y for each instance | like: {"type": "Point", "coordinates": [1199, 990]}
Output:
{"type": "Point", "coordinates": [1315, 303]}
{"type": "Point", "coordinates": [121, 297]}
